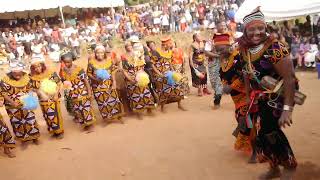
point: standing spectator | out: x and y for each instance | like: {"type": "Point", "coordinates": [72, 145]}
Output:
{"type": "Point", "coordinates": [165, 23]}
{"type": "Point", "coordinates": [295, 56]}
{"type": "Point", "coordinates": [75, 45]}
{"type": "Point", "coordinates": [304, 48]}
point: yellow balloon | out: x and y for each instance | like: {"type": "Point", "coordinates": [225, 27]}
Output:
{"type": "Point", "coordinates": [142, 79]}
{"type": "Point", "coordinates": [177, 77]}
{"type": "Point", "coordinates": [48, 86]}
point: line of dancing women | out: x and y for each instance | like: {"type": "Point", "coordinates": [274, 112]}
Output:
{"type": "Point", "coordinates": [81, 87]}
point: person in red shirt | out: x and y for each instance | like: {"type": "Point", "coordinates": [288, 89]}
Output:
{"type": "Point", "coordinates": [178, 66]}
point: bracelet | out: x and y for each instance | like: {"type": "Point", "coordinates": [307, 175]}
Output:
{"type": "Point", "coordinates": [287, 108]}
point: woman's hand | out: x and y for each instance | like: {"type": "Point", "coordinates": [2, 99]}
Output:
{"type": "Point", "coordinates": [56, 97]}
{"type": "Point", "coordinates": [285, 119]}
{"type": "Point", "coordinates": [16, 104]}
{"type": "Point", "coordinates": [114, 85]}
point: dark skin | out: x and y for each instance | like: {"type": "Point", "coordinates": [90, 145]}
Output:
{"type": "Point", "coordinates": [257, 34]}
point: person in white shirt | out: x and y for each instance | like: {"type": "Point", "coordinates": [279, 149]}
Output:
{"type": "Point", "coordinates": [20, 51]}
{"type": "Point", "coordinates": [165, 22]}
{"type": "Point", "coordinates": [47, 30]}
{"type": "Point", "coordinates": [75, 45]}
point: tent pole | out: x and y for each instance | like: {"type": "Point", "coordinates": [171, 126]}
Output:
{"type": "Point", "coordinates": [62, 17]}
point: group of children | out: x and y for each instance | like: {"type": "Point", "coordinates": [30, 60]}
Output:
{"type": "Point", "coordinates": [144, 71]}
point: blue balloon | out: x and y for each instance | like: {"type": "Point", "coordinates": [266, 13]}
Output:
{"type": "Point", "coordinates": [103, 74]}
{"type": "Point", "coordinates": [169, 76]}
{"type": "Point", "coordinates": [30, 102]}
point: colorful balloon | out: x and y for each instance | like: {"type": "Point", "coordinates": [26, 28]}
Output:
{"type": "Point", "coordinates": [29, 102]}
{"type": "Point", "coordinates": [103, 74]}
{"type": "Point", "coordinates": [169, 76]}
{"type": "Point", "coordinates": [177, 77]}
{"type": "Point", "coordinates": [49, 87]}
{"type": "Point", "coordinates": [142, 79]}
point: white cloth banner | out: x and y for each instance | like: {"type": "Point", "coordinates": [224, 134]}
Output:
{"type": "Point", "coordinates": [278, 10]}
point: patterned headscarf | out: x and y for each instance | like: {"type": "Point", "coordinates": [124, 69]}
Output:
{"type": "Point", "coordinates": [256, 17]}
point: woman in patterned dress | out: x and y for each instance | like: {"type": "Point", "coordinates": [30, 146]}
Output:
{"type": "Point", "coordinates": [80, 91]}
{"type": "Point", "coordinates": [162, 63]}
{"type": "Point", "coordinates": [266, 58]}
{"type": "Point", "coordinates": [197, 63]}
{"type": "Point", "coordinates": [105, 91]}
{"type": "Point", "coordinates": [14, 85]}
{"type": "Point", "coordinates": [140, 98]}
{"type": "Point", "coordinates": [50, 105]}
{"type": "Point", "coordinates": [6, 139]}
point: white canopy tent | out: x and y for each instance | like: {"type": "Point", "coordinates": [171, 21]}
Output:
{"type": "Point", "coordinates": [278, 10]}
{"type": "Point", "coordinates": [11, 9]}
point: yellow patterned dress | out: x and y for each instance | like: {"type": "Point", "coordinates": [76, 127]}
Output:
{"type": "Point", "coordinates": [140, 98]}
{"type": "Point", "coordinates": [6, 139]}
{"type": "Point", "coordinates": [107, 98]}
{"type": "Point", "coordinates": [81, 103]}
{"type": "Point", "coordinates": [167, 93]}
{"type": "Point", "coordinates": [51, 109]}
{"type": "Point", "coordinates": [24, 124]}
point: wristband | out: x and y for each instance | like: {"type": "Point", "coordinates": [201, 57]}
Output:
{"type": "Point", "coordinates": [287, 108]}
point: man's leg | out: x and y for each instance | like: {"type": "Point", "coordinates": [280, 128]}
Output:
{"type": "Point", "coordinates": [215, 81]}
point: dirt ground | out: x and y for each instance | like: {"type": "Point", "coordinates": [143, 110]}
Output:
{"type": "Point", "coordinates": [192, 145]}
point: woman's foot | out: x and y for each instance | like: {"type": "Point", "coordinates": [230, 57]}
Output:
{"type": "Point", "coordinates": [59, 136]}
{"type": "Point", "coordinates": [9, 153]}
{"type": "Point", "coordinates": [120, 120]}
{"type": "Point", "coordinates": [162, 109]}
{"type": "Point", "coordinates": [149, 112]}
{"type": "Point", "coordinates": [36, 141]}
{"type": "Point", "coordinates": [139, 116]}
{"type": "Point", "coordinates": [200, 92]}
{"type": "Point", "coordinates": [271, 174]}
{"type": "Point", "coordinates": [87, 128]}
{"type": "Point", "coordinates": [206, 91]}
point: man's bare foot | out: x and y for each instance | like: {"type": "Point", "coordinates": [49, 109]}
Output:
{"type": "Point", "coordinates": [271, 174]}
{"type": "Point", "coordinates": [36, 141]}
{"type": "Point", "coordinates": [287, 174]}
{"type": "Point", "coordinates": [9, 153]}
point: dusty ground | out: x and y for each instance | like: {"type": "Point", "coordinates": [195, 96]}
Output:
{"type": "Point", "coordinates": [192, 145]}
